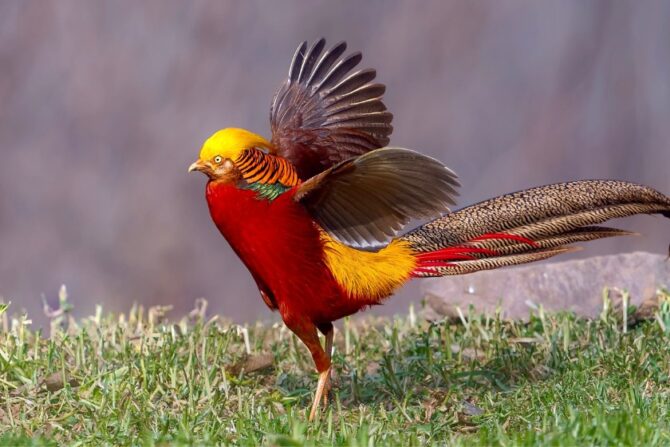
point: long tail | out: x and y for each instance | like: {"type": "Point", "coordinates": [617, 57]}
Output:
{"type": "Point", "coordinates": [527, 226]}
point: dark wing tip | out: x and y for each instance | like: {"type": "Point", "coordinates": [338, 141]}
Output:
{"type": "Point", "coordinates": [326, 111]}
{"type": "Point", "coordinates": [340, 47]}
{"type": "Point", "coordinates": [310, 59]}
{"type": "Point", "coordinates": [296, 62]}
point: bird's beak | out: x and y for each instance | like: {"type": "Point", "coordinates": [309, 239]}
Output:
{"type": "Point", "coordinates": [199, 165]}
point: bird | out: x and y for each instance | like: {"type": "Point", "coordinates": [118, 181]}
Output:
{"type": "Point", "coordinates": [317, 213]}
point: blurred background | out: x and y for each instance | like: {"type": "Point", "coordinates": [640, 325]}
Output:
{"type": "Point", "coordinates": [103, 105]}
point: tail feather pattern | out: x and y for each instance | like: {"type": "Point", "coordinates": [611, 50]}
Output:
{"type": "Point", "coordinates": [528, 226]}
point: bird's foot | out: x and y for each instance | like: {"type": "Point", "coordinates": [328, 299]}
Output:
{"type": "Point", "coordinates": [328, 387]}
{"type": "Point", "coordinates": [322, 389]}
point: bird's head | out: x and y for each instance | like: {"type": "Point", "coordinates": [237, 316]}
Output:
{"type": "Point", "coordinates": [220, 152]}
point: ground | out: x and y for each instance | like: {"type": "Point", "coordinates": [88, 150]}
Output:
{"type": "Point", "coordinates": [136, 379]}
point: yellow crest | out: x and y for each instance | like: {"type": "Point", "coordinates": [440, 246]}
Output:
{"type": "Point", "coordinates": [231, 142]}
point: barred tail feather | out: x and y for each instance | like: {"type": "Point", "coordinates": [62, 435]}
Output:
{"type": "Point", "coordinates": [475, 265]}
{"type": "Point", "coordinates": [528, 226]}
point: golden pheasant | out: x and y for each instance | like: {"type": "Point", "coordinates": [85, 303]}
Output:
{"type": "Point", "coordinates": [315, 213]}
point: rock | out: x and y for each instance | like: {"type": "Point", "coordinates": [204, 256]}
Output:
{"type": "Point", "coordinates": [253, 363]}
{"type": "Point", "coordinates": [55, 382]}
{"type": "Point", "coordinates": [575, 285]}
{"type": "Point", "coordinates": [471, 409]}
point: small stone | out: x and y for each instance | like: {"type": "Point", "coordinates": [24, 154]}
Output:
{"type": "Point", "coordinates": [372, 369]}
{"type": "Point", "coordinates": [55, 382]}
{"type": "Point", "coordinates": [253, 363]}
{"type": "Point", "coordinates": [471, 409]}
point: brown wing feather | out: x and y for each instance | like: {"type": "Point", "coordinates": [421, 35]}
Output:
{"type": "Point", "coordinates": [367, 200]}
{"type": "Point", "coordinates": [324, 114]}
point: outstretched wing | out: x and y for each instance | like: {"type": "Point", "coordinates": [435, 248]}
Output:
{"type": "Point", "coordinates": [324, 114]}
{"type": "Point", "coordinates": [366, 200]}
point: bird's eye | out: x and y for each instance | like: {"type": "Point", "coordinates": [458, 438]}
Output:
{"type": "Point", "coordinates": [218, 159]}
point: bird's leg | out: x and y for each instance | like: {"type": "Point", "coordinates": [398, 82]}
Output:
{"type": "Point", "coordinates": [328, 331]}
{"type": "Point", "coordinates": [329, 341]}
{"type": "Point", "coordinates": [306, 332]}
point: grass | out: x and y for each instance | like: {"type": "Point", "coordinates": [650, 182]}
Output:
{"type": "Point", "coordinates": [135, 379]}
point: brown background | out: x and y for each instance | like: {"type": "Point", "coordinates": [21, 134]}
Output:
{"type": "Point", "coordinates": [104, 104]}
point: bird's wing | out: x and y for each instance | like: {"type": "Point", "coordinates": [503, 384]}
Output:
{"type": "Point", "coordinates": [324, 114]}
{"type": "Point", "coordinates": [366, 200]}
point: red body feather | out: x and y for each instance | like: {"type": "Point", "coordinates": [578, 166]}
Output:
{"type": "Point", "coordinates": [282, 248]}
